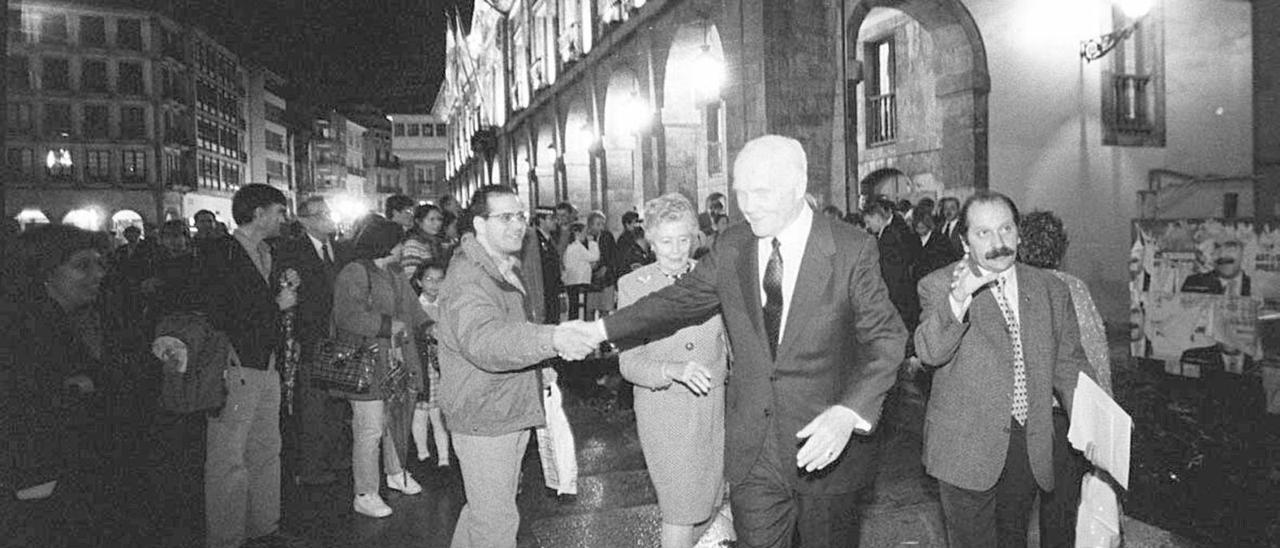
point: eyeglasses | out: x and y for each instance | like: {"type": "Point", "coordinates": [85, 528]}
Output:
{"type": "Point", "coordinates": [507, 218]}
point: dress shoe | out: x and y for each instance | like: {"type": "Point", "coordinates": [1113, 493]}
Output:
{"type": "Point", "coordinates": [322, 478]}
{"type": "Point", "coordinates": [404, 483]}
{"type": "Point", "coordinates": [372, 505]}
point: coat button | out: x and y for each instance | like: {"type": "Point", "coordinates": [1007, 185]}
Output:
{"type": "Point", "coordinates": [768, 412]}
{"type": "Point", "coordinates": [688, 346]}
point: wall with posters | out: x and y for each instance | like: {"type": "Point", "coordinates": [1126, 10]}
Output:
{"type": "Point", "coordinates": [1198, 290]}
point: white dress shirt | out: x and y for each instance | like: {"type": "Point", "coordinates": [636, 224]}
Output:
{"type": "Point", "coordinates": [792, 239]}
{"type": "Point", "coordinates": [320, 247]}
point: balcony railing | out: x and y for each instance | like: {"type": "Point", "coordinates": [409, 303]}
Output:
{"type": "Point", "coordinates": [1132, 101]}
{"type": "Point", "coordinates": [882, 119]}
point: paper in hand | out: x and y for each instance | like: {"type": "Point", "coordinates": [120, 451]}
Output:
{"type": "Point", "coordinates": [1098, 420]}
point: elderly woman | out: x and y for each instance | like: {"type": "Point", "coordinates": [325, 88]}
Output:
{"type": "Point", "coordinates": [373, 301]}
{"type": "Point", "coordinates": [51, 352]}
{"type": "Point", "coordinates": [1044, 243]}
{"type": "Point", "coordinates": [679, 384]}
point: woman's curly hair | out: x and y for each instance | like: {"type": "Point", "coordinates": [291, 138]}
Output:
{"type": "Point", "coordinates": [1043, 240]}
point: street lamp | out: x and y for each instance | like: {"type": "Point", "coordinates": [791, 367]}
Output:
{"type": "Point", "coordinates": [1134, 11]}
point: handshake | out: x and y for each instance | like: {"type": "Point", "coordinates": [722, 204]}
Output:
{"type": "Point", "coordinates": [577, 339]}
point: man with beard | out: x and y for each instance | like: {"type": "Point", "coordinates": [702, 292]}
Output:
{"type": "Point", "coordinates": [1004, 343]}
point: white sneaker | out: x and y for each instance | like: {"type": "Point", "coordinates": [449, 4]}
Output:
{"type": "Point", "coordinates": [372, 505]}
{"type": "Point", "coordinates": [404, 483]}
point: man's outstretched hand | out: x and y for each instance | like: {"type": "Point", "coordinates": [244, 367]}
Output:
{"type": "Point", "coordinates": [576, 340]}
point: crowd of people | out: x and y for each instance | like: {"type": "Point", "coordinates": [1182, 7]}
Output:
{"type": "Point", "coordinates": [760, 353]}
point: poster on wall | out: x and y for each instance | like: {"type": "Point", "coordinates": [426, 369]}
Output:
{"type": "Point", "coordinates": [1200, 289]}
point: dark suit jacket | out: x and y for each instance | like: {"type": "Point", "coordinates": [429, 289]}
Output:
{"type": "Point", "coordinates": [935, 254]}
{"type": "Point", "coordinates": [842, 344]}
{"type": "Point", "coordinates": [315, 294]}
{"type": "Point", "coordinates": [1209, 282]}
{"type": "Point", "coordinates": [899, 249]}
{"type": "Point", "coordinates": [953, 237]}
{"type": "Point", "coordinates": [966, 431]}
{"type": "Point", "coordinates": [239, 302]}
{"type": "Point", "coordinates": [531, 275]}
{"type": "Point", "coordinates": [549, 259]}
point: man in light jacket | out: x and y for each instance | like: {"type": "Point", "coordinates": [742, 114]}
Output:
{"type": "Point", "coordinates": [490, 349]}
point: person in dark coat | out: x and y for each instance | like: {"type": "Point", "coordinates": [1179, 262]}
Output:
{"type": "Point", "coordinates": [321, 443]}
{"type": "Point", "coordinates": [51, 368]}
{"type": "Point", "coordinates": [899, 249]}
{"type": "Point", "coordinates": [935, 250]}
{"type": "Point", "coordinates": [630, 254]}
{"type": "Point", "coordinates": [815, 342]}
{"type": "Point", "coordinates": [549, 255]}
{"type": "Point", "coordinates": [242, 467]}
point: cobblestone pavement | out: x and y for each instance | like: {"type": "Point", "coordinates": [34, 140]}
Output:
{"type": "Point", "coordinates": [616, 504]}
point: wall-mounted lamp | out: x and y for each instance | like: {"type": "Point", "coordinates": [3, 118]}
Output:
{"type": "Point", "coordinates": [1134, 11]}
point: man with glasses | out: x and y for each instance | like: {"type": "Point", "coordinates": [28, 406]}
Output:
{"type": "Point", "coordinates": [317, 433]}
{"type": "Point", "coordinates": [490, 351]}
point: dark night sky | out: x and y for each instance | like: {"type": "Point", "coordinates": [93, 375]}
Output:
{"type": "Point", "coordinates": [389, 53]}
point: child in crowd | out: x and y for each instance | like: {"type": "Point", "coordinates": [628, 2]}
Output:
{"type": "Point", "coordinates": [426, 280]}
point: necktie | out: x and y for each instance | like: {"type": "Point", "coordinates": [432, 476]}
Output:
{"type": "Point", "coordinates": [773, 298]}
{"type": "Point", "coordinates": [328, 257]}
{"type": "Point", "coordinates": [1019, 365]}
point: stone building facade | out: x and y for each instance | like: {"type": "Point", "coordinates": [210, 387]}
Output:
{"type": "Point", "coordinates": [121, 116]}
{"type": "Point", "coordinates": [608, 103]}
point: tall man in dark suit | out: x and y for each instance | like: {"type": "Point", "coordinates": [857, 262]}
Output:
{"type": "Point", "coordinates": [242, 465]}
{"type": "Point", "coordinates": [816, 345]}
{"type": "Point", "coordinates": [545, 229]}
{"type": "Point", "coordinates": [948, 219]}
{"type": "Point", "coordinates": [899, 249]}
{"type": "Point", "coordinates": [319, 418]}
{"type": "Point", "coordinates": [1004, 341]}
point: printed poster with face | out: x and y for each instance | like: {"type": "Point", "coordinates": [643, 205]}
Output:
{"type": "Point", "coordinates": [1202, 291]}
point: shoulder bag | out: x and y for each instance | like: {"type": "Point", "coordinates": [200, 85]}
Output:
{"type": "Point", "coordinates": [343, 365]}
